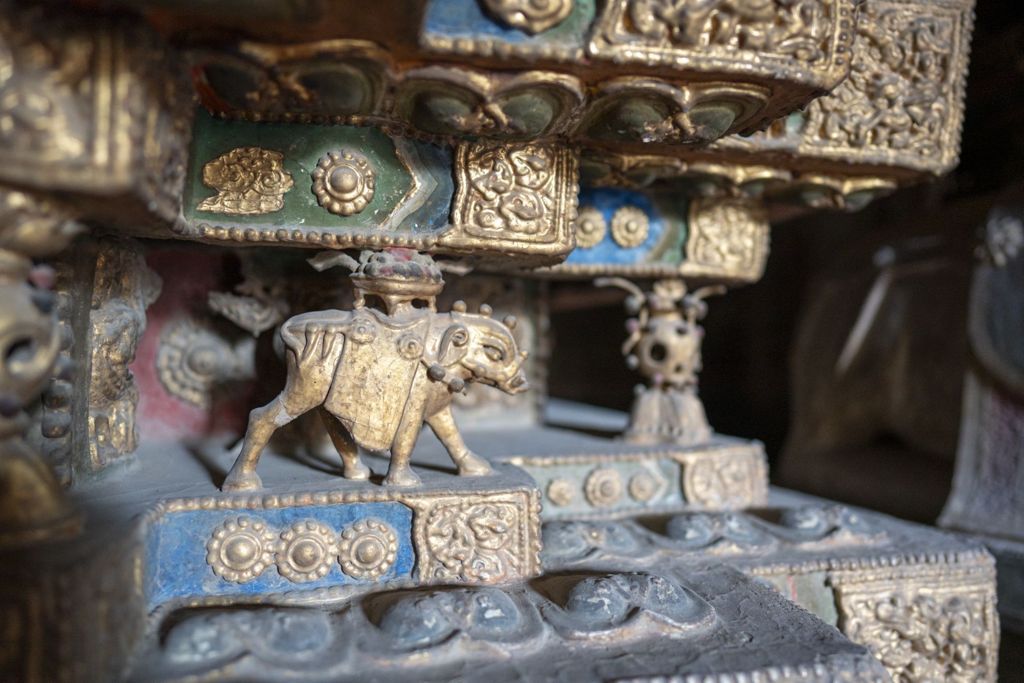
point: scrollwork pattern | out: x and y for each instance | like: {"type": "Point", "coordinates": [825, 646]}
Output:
{"type": "Point", "coordinates": [473, 542]}
{"type": "Point", "coordinates": [518, 197]}
{"type": "Point", "coordinates": [513, 188]}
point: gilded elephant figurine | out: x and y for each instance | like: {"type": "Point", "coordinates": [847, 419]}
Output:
{"type": "Point", "coordinates": [377, 377]}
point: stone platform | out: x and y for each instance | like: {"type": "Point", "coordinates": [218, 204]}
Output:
{"type": "Point", "coordinates": [923, 601]}
{"type": "Point", "coordinates": [691, 622]}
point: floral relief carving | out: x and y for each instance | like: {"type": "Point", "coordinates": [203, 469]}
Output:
{"type": "Point", "coordinates": [941, 636]}
{"type": "Point", "coordinates": [473, 542]}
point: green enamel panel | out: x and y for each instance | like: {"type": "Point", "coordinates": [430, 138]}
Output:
{"type": "Point", "coordinates": [302, 146]}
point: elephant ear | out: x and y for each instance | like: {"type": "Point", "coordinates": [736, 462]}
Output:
{"type": "Point", "coordinates": [453, 346]}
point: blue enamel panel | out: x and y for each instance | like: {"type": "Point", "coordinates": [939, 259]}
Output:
{"type": "Point", "coordinates": [176, 549]}
{"type": "Point", "coordinates": [467, 19]}
{"type": "Point", "coordinates": [607, 201]}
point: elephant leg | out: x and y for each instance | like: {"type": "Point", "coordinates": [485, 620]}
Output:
{"type": "Point", "coordinates": [263, 422]}
{"type": "Point", "coordinates": [346, 447]}
{"type": "Point", "coordinates": [399, 472]}
{"type": "Point", "coordinates": [443, 424]}
{"type": "Point", "coordinates": [309, 372]}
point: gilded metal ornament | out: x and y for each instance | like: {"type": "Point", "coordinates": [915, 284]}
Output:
{"type": "Point", "coordinates": [510, 190]}
{"type": "Point", "coordinates": [643, 486]}
{"type": "Point", "coordinates": [752, 72]}
{"type": "Point", "coordinates": [81, 113]}
{"type": "Point", "coordinates": [630, 226]}
{"type": "Point", "coordinates": [248, 181]}
{"type": "Point", "coordinates": [474, 541]}
{"type": "Point", "coordinates": [518, 198]}
{"type": "Point", "coordinates": [721, 485]}
{"type": "Point", "coordinates": [306, 551]}
{"type": "Point", "coordinates": [343, 182]}
{"type": "Point", "coordinates": [561, 492]}
{"type": "Point", "coordinates": [591, 227]}
{"type": "Point", "coordinates": [925, 623]}
{"type": "Point", "coordinates": [667, 479]}
{"type": "Point", "coordinates": [367, 549]}
{"type": "Point", "coordinates": [813, 33]}
{"type": "Point", "coordinates": [664, 346]}
{"type": "Point", "coordinates": [467, 102]}
{"type": "Point", "coordinates": [896, 118]}
{"type": "Point", "coordinates": [806, 42]}
{"type": "Point", "coordinates": [193, 359]}
{"type": "Point", "coordinates": [904, 96]}
{"type": "Point", "coordinates": [34, 507]}
{"type": "Point", "coordinates": [241, 549]}
{"type": "Point", "coordinates": [532, 16]}
{"type": "Point", "coordinates": [449, 140]}
{"type": "Point", "coordinates": [728, 236]}
{"type": "Point", "coordinates": [603, 487]}
{"type": "Point", "coordinates": [123, 287]}
{"type": "Point", "coordinates": [336, 361]}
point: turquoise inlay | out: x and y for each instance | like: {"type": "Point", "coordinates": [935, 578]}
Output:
{"type": "Point", "coordinates": [607, 251]}
{"type": "Point", "coordinates": [467, 19]}
{"type": "Point", "coordinates": [176, 550]}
